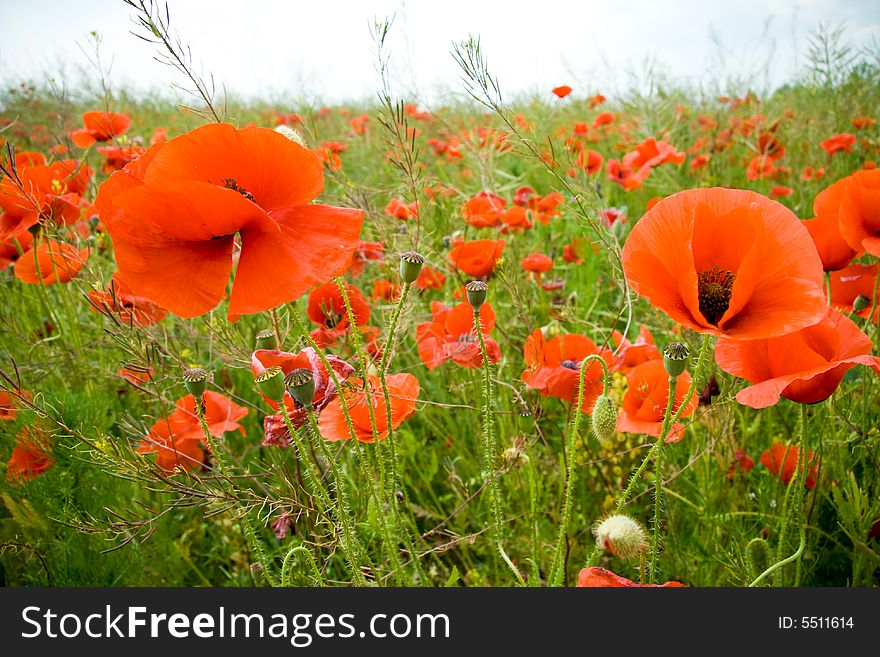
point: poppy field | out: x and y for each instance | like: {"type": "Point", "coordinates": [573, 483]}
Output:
{"type": "Point", "coordinates": [556, 340]}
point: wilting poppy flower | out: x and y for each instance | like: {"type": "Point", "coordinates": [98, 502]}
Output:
{"type": "Point", "coordinates": [596, 577]}
{"type": "Point", "coordinates": [484, 210]}
{"type": "Point", "coordinates": [554, 366]}
{"type": "Point", "coordinates": [55, 262]}
{"type": "Point", "coordinates": [859, 212]}
{"type": "Point", "coordinates": [805, 366]}
{"type": "Point", "coordinates": [825, 228]}
{"type": "Point", "coordinates": [839, 142]}
{"type": "Point", "coordinates": [727, 262]}
{"type": "Point", "coordinates": [477, 258]}
{"type": "Point", "coordinates": [128, 307]}
{"type": "Point", "coordinates": [403, 391]}
{"type": "Point", "coordinates": [562, 91]}
{"type": "Point", "coordinates": [31, 457]}
{"type": "Point", "coordinates": [450, 335]}
{"type": "Point", "coordinates": [849, 284]}
{"type": "Point", "coordinates": [784, 462]}
{"type": "Point", "coordinates": [174, 213]}
{"type": "Point", "coordinates": [647, 395]}
{"type": "Point", "coordinates": [537, 263]}
{"type": "Point", "coordinates": [276, 432]}
{"type": "Point", "coordinates": [100, 126]}
{"type": "Point", "coordinates": [327, 309]}
{"type": "Point", "coordinates": [629, 354]}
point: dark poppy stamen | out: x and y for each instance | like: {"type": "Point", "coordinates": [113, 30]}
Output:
{"type": "Point", "coordinates": [714, 289]}
{"type": "Point", "coordinates": [230, 183]}
{"type": "Point", "coordinates": [569, 365]}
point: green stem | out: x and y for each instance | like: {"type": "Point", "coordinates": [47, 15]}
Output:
{"type": "Point", "coordinates": [658, 478]}
{"type": "Point", "coordinates": [286, 565]}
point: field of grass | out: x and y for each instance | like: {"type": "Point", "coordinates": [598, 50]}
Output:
{"type": "Point", "coordinates": [482, 480]}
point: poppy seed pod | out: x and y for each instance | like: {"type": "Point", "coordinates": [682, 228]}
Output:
{"type": "Point", "coordinates": [675, 358]}
{"type": "Point", "coordinates": [265, 339]}
{"type": "Point", "coordinates": [860, 303]}
{"type": "Point", "coordinates": [410, 266]}
{"type": "Point", "coordinates": [196, 381]}
{"type": "Point", "coordinates": [622, 536]}
{"type": "Point", "coordinates": [604, 418]}
{"type": "Point", "coordinates": [270, 382]}
{"type": "Point", "coordinates": [476, 294]}
{"type": "Point", "coordinates": [301, 386]}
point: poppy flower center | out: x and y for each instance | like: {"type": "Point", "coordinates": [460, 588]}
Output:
{"type": "Point", "coordinates": [230, 183]}
{"type": "Point", "coordinates": [714, 289]}
{"type": "Point", "coordinates": [569, 365]}
{"type": "Point", "coordinates": [332, 319]}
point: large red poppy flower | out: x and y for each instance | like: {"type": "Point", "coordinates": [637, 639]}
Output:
{"type": "Point", "coordinates": [174, 214]}
{"type": "Point", "coordinates": [859, 212]}
{"type": "Point", "coordinates": [805, 366]}
{"type": "Point", "coordinates": [31, 457]}
{"type": "Point", "coordinates": [825, 228]}
{"type": "Point", "coordinates": [596, 577]}
{"type": "Point", "coordinates": [477, 258]}
{"type": "Point", "coordinates": [784, 462]}
{"type": "Point", "coordinates": [276, 432]}
{"type": "Point", "coordinates": [450, 335]}
{"type": "Point", "coordinates": [128, 307]}
{"type": "Point", "coordinates": [554, 367]}
{"type": "Point", "coordinates": [100, 126]}
{"type": "Point", "coordinates": [849, 284]}
{"type": "Point", "coordinates": [727, 262]}
{"type": "Point", "coordinates": [403, 391]}
{"type": "Point", "coordinates": [55, 262]}
{"type": "Point", "coordinates": [647, 395]}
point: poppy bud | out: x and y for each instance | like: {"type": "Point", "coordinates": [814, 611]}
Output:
{"type": "Point", "coordinates": [621, 536]}
{"type": "Point", "coordinates": [291, 134]}
{"type": "Point", "coordinates": [410, 266]}
{"type": "Point", "coordinates": [675, 358]}
{"type": "Point", "coordinates": [604, 418]}
{"type": "Point", "coordinates": [860, 303]}
{"type": "Point", "coordinates": [196, 381]}
{"type": "Point", "coordinates": [265, 339]}
{"type": "Point", "coordinates": [301, 386]}
{"type": "Point", "coordinates": [270, 383]}
{"type": "Point", "coordinates": [476, 294]}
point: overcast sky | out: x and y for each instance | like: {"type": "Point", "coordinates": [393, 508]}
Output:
{"type": "Point", "coordinates": [323, 49]}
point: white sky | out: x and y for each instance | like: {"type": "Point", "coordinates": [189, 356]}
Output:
{"type": "Point", "coordinates": [322, 50]}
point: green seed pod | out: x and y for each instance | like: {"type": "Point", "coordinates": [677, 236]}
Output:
{"type": "Point", "coordinates": [860, 303]}
{"type": "Point", "coordinates": [622, 536]}
{"type": "Point", "coordinates": [604, 418]}
{"type": "Point", "coordinates": [196, 381]}
{"type": "Point", "coordinates": [301, 386]}
{"type": "Point", "coordinates": [675, 358]}
{"type": "Point", "coordinates": [270, 383]}
{"type": "Point", "coordinates": [476, 294]}
{"type": "Point", "coordinates": [410, 266]}
{"type": "Point", "coordinates": [265, 339]}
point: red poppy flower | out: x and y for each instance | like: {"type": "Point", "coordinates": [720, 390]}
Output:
{"type": "Point", "coordinates": [9, 249]}
{"type": "Point", "coordinates": [31, 457]}
{"type": "Point", "coordinates": [629, 354]}
{"type": "Point", "coordinates": [825, 228]}
{"type": "Point", "coordinates": [600, 578]}
{"type": "Point", "coordinates": [855, 281]}
{"type": "Point", "coordinates": [761, 167]}
{"type": "Point", "coordinates": [862, 122]}
{"type": "Point", "coordinates": [385, 290]}
{"type": "Point", "coordinates": [553, 367]}
{"type": "Point", "coordinates": [276, 432]}
{"type": "Point", "coordinates": [223, 181]}
{"type": "Point", "coordinates": [742, 463]}
{"type": "Point", "coordinates": [358, 124]}
{"type": "Point", "coordinates": [778, 191]}
{"type": "Point", "coordinates": [9, 404]}
{"type": "Point", "coordinates": [430, 279]}
{"type": "Point", "coordinates": [100, 126]}
{"type": "Point", "coordinates": [651, 153]}
{"type": "Point", "coordinates": [727, 262]}
{"type": "Point", "coordinates": [562, 91]}
{"type": "Point", "coordinates": [55, 262]}
{"type": "Point", "coordinates": [403, 391]}
{"type": "Point", "coordinates": [805, 366]}
{"type": "Point", "coordinates": [700, 161]}
{"type": "Point", "coordinates": [128, 307]}
{"type": "Point", "coordinates": [366, 252]}
{"type": "Point", "coordinates": [477, 258]}
{"type": "Point", "coordinates": [590, 161]}
{"type": "Point", "coordinates": [138, 376]}
{"type": "Point", "coordinates": [484, 210]}
{"type": "Point", "coordinates": [537, 263]}
{"type": "Point", "coordinates": [625, 176]}
{"type": "Point", "coordinates": [784, 462]}
{"type": "Point", "coordinates": [450, 335]}
{"type": "Point", "coordinates": [809, 173]}
{"type": "Point", "coordinates": [116, 157]}
{"type": "Point", "coordinates": [596, 100]}
{"type": "Point", "coordinates": [839, 142]}
{"type": "Point", "coordinates": [399, 210]}
{"type": "Point", "coordinates": [647, 395]}
{"type": "Point", "coordinates": [516, 218]}
{"type": "Point", "coordinates": [327, 309]}
{"type": "Point", "coordinates": [603, 118]}
{"type": "Point", "coordinates": [859, 212]}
